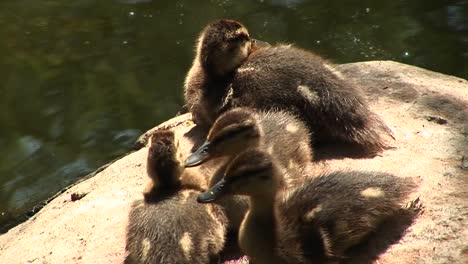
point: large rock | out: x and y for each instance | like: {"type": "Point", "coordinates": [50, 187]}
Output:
{"type": "Point", "coordinates": [427, 111]}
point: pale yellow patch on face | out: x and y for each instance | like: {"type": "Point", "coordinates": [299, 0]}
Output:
{"type": "Point", "coordinates": [312, 213]}
{"type": "Point", "coordinates": [244, 52]}
{"type": "Point", "coordinates": [186, 244]}
{"type": "Point", "coordinates": [372, 192]}
{"type": "Point", "coordinates": [230, 63]}
{"type": "Point", "coordinates": [145, 247]}
{"type": "Point", "coordinates": [307, 93]}
{"type": "Point", "coordinates": [292, 128]}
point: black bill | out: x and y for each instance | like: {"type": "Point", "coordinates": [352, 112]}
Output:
{"type": "Point", "coordinates": [199, 156]}
{"type": "Point", "coordinates": [212, 194]}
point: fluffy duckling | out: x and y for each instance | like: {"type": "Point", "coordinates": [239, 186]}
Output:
{"type": "Point", "coordinates": [163, 164]}
{"type": "Point", "coordinates": [165, 167]}
{"type": "Point", "coordinates": [222, 47]}
{"type": "Point", "coordinates": [169, 226]}
{"type": "Point", "coordinates": [227, 73]}
{"type": "Point", "coordinates": [312, 223]}
{"type": "Point", "coordinates": [241, 128]}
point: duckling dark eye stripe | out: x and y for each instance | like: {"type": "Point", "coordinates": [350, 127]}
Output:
{"type": "Point", "coordinates": [247, 174]}
{"type": "Point", "coordinates": [230, 133]}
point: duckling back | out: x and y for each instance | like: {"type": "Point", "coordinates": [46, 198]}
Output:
{"type": "Point", "coordinates": [294, 80]}
{"type": "Point", "coordinates": [338, 210]}
{"type": "Point", "coordinates": [287, 138]}
{"type": "Point", "coordinates": [175, 229]}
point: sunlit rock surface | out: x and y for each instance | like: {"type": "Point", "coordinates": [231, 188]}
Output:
{"type": "Point", "coordinates": [427, 111]}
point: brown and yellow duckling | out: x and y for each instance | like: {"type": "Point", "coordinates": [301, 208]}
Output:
{"type": "Point", "coordinates": [313, 223]}
{"type": "Point", "coordinates": [227, 72]}
{"type": "Point", "coordinates": [221, 48]}
{"type": "Point", "coordinates": [165, 167]}
{"type": "Point", "coordinates": [169, 226]}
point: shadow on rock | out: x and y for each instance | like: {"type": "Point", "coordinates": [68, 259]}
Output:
{"type": "Point", "coordinates": [448, 106]}
{"type": "Point", "coordinates": [341, 151]}
{"type": "Point", "coordinates": [197, 136]}
{"type": "Point", "coordinates": [389, 233]}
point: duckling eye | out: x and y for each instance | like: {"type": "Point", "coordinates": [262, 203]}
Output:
{"type": "Point", "coordinates": [204, 150]}
{"type": "Point", "coordinates": [263, 177]}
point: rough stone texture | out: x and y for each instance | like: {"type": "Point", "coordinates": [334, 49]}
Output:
{"type": "Point", "coordinates": [427, 111]}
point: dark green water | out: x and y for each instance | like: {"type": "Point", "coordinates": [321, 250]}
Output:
{"type": "Point", "coordinates": [81, 80]}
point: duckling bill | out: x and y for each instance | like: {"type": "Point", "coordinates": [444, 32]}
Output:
{"type": "Point", "coordinates": [199, 156]}
{"type": "Point", "coordinates": [229, 71]}
{"type": "Point", "coordinates": [215, 192]}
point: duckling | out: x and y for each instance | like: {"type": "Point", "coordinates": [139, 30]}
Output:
{"type": "Point", "coordinates": [312, 223]}
{"type": "Point", "coordinates": [227, 72]}
{"type": "Point", "coordinates": [168, 225]}
{"type": "Point", "coordinates": [222, 47]}
{"type": "Point", "coordinates": [241, 128]}
{"type": "Point", "coordinates": [163, 164]}
{"type": "Point", "coordinates": [165, 167]}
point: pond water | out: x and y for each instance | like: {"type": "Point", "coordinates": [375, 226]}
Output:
{"type": "Point", "coordinates": [81, 80]}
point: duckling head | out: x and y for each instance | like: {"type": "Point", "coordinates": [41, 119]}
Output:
{"type": "Point", "coordinates": [232, 133]}
{"type": "Point", "coordinates": [251, 173]}
{"type": "Point", "coordinates": [222, 46]}
{"type": "Point", "coordinates": [164, 162]}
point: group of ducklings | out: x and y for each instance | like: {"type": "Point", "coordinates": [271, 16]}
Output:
{"type": "Point", "coordinates": [265, 108]}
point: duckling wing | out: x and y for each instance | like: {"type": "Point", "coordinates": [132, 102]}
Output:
{"type": "Point", "coordinates": [294, 80]}
{"type": "Point", "coordinates": [337, 210]}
